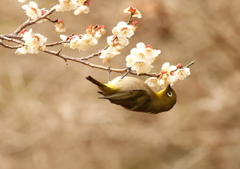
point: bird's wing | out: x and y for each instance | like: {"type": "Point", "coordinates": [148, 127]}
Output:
{"type": "Point", "coordinates": [131, 94]}
{"type": "Point", "coordinates": [129, 99]}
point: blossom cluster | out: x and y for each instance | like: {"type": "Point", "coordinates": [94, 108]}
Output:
{"type": "Point", "coordinates": [141, 58]}
{"type": "Point", "coordinates": [169, 75]}
{"type": "Point", "coordinates": [33, 11]}
{"type": "Point", "coordinates": [120, 36]}
{"type": "Point", "coordinates": [80, 6]}
{"type": "Point", "coordinates": [83, 42]}
{"type": "Point", "coordinates": [33, 43]}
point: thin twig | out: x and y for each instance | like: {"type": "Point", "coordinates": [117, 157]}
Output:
{"type": "Point", "coordinates": [10, 47]}
{"type": "Point", "coordinates": [65, 57]}
{"type": "Point", "coordinates": [129, 19]}
{"type": "Point", "coordinates": [91, 56]}
{"type": "Point", "coordinates": [109, 72]}
{"type": "Point", "coordinates": [11, 40]}
{"type": "Point", "coordinates": [53, 21]}
{"type": "Point", "coordinates": [14, 36]}
{"type": "Point", "coordinates": [56, 43]}
{"type": "Point", "coordinates": [126, 73]}
{"type": "Point", "coordinates": [190, 64]}
{"type": "Point", "coordinates": [28, 22]}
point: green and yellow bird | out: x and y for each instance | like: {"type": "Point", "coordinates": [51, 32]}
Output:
{"type": "Point", "coordinates": [135, 95]}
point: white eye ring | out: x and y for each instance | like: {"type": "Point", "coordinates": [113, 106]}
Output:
{"type": "Point", "coordinates": [169, 94]}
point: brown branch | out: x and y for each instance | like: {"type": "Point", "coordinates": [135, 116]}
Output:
{"type": "Point", "coordinates": [80, 60]}
{"type": "Point", "coordinates": [91, 56]}
{"type": "Point", "coordinates": [10, 47]}
{"type": "Point", "coordinates": [11, 40]}
{"type": "Point", "coordinates": [65, 57]}
{"type": "Point", "coordinates": [14, 36]}
{"type": "Point", "coordinates": [53, 21]}
{"type": "Point", "coordinates": [28, 22]}
{"type": "Point", "coordinates": [56, 43]}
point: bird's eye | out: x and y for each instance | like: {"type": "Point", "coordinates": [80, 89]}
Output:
{"type": "Point", "coordinates": [169, 94]}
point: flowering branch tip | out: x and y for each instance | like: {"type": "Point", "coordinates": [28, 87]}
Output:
{"type": "Point", "coordinates": [138, 62]}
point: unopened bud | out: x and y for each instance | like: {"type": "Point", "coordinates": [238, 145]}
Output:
{"type": "Point", "coordinates": [179, 65]}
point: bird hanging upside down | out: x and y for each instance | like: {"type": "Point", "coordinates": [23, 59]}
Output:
{"type": "Point", "coordinates": [135, 95]}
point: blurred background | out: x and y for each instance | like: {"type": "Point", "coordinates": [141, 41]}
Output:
{"type": "Point", "coordinates": [51, 117]}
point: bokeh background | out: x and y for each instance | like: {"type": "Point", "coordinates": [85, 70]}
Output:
{"type": "Point", "coordinates": [51, 117]}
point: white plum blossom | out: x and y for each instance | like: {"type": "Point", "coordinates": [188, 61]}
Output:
{"type": "Point", "coordinates": [80, 6]}
{"type": "Point", "coordinates": [141, 58]}
{"type": "Point", "coordinates": [65, 38]}
{"type": "Point", "coordinates": [123, 28]}
{"type": "Point", "coordinates": [32, 10]}
{"type": "Point", "coordinates": [21, 1]}
{"type": "Point", "coordinates": [109, 53]}
{"type": "Point", "coordinates": [97, 31]}
{"type": "Point", "coordinates": [120, 41]}
{"type": "Point", "coordinates": [182, 73]}
{"type": "Point", "coordinates": [66, 5]}
{"type": "Point", "coordinates": [33, 43]}
{"type": "Point", "coordinates": [86, 41]}
{"type": "Point", "coordinates": [22, 51]}
{"type": "Point", "coordinates": [167, 68]}
{"type": "Point", "coordinates": [115, 46]}
{"type": "Point", "coordinates": [168, 76]}
{"type": "Point", "coordinates": [35, 40]}
{"type": "Point", "coordinates": [81, 9]}
{"type": "Point", "coordinates": [149, 53]}
{"type": "Point", "coordinates": [60, 26]}
{"type": "Point", "coordinates": [153, 82]}
{"type": "Point", "coordinates": [133, 11]}
{"type": "Point", "coordinates": [26, 33]}
{"type": "Point", "coordinates": [74, 42]}
{"type": "Point", "coordinates": [141, 66]}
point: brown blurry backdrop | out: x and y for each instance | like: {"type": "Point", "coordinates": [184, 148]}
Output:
{"type": "Point", "coordinates": [51, 117]}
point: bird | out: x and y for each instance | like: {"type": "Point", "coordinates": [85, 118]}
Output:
{"type": "Point", "coordinates": [135, 95]}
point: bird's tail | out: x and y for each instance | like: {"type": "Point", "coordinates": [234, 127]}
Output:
{"type": "Point", "coordinates": [105, 90]}
{"type": "Point", "coordinates": [94, 81]}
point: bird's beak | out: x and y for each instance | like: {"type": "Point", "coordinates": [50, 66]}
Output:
{"type": "Point", "coordinates": [168, 87]}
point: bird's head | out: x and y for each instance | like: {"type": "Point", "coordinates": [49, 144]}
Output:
{"type": "Point", "coordinates": [167, 98]}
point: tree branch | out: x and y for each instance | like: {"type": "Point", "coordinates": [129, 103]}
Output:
{"type": "Point", "coordinates": [83, 60]}
{"type": "Point", "coordinates": [28, 22]}
{"type": "Point", "coordinates": [56, 43]}
{"type": "Point", "coordinates": [65, 57]}
{"type": "Point", "coordinates": [3, 37]}
{"type": "Point", "coordinates": [10, 47]}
